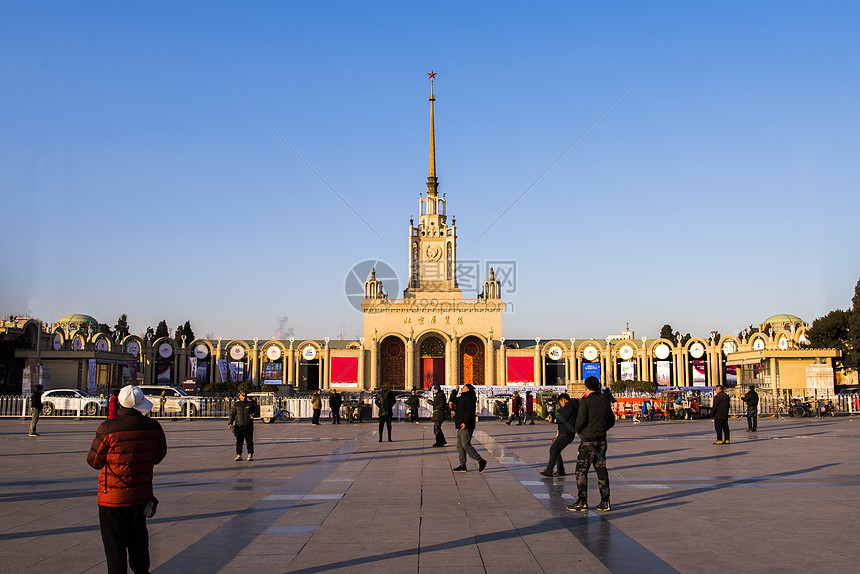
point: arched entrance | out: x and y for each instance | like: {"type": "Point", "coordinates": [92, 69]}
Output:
{"type": "Point", "coordinates": [393, 367]}
{"type": "Point", "coordinates": [432, 353]}
{"type": "Point", "coordinates": [472, 361]}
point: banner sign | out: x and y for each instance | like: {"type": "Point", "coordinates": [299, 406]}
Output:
{"type": "Point", "coordinates": [590, 370]}
{"type": "Point", "coordinates": [222, 366]}
{"type": "Point", "coordinates": [91, 376]}
{"type": "Point", "coordinates": [34, 372]}
{"type": "Point", "coordinates": [273, 373]}
{"type": "Point", "coordinates": [521, 369]}
{"type": "Point", "coordinates": [628, 371]}
{"type": "Point", "coordinates": [192, 372]}
{"type": "Point", "coordinates": [664, 373]}
{"type": "Point", "coordinates": [132, 369]}
{"type": "Point", "coordinates": [698, 369]}
{"type": "Point", "coordinates": [344, 370]}
{"type": "Point", "coordinates": [731, 374]}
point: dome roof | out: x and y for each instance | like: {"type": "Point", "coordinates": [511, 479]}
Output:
{"type": "Point", "coordinates": [78, 318]}
{"type": "Point", "coordinates": [784, 318]}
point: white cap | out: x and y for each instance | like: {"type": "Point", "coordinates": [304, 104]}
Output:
{"type": "Point", "coordinates": [131, 397]}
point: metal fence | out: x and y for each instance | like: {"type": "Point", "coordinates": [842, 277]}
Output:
{"type": "Point", "coordinates": [219, 407]}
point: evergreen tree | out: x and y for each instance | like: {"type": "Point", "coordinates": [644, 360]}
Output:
{"type": "Point", "coordinates": [852, 361]}
{"type": "Point", "coordinates": [161, 330]}
{"type": "Point", "coordinates": [831, 332]}
{"type": "Point", "coordinates": [177, 336]}
{"type": "Point", "coordinates": [120, 330]}
{"type": "Point", "coordinates": [188, 332]}
{"type": "Point", "coordinates": [666, 332]}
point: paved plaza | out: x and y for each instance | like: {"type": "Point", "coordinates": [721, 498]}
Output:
{"type": "Point", "coordinates": [334, 499]}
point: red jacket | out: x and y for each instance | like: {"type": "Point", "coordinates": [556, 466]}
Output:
{"type": "Point", "coordinates": [126, 448]}
{"type": "Point", "coordinates": [113, 405]}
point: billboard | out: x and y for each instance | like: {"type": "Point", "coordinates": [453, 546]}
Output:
{"type": "Point", "coordinates": [590, 370]}
{"type": "Point", "coordinates": [628, 371]}
{"type": "Point", "coordinates": [698, 372]}
{"type": "Point", "coordinates": [664, 373]}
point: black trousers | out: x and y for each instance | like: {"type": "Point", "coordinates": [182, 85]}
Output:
{"type": "Point", "coordinates": [437, 430]}
{"type": "Point", "coordinates": [383, 421]}
{"type": "Point", "coordinates": [246, 435]}
{"type": "Point", "coordinates": [752, 418]}
{"type": "Point", "coordinates": [721, 426]}
{"type": "Point", "coordinates": [335, 416]}
{"type": "Point", "coordinates": [125, 539]}
{"type": "Point", "coordinates": [558, 444]}
{"type": "Point", "coordinates": [316, 418]}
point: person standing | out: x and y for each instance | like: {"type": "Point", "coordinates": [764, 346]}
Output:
{"type": "Point", "coordinates": [162, 403]}
{"type": "Point", "coordinates": [440, 413]}
{"type": "Point", "coordinates": [566, 420]}
{"type": "Point", "coordinates": [593, 419]}
{"type": "Point", "coordinates": [720, 412]}
{"type": "Point", "coordinates": [385, 403]}
{"type": "Point", "coordinates": [529, 409]}
{"type": "Point", "coordinates": [515, 409]}
{"type": "Point", "coordinates": [465, 416]}
{"type": "Point", "coordinates": [241, 422]}
{"type": "Point", "coordinates": [316, 405]}
{"type": "Point", "coordinates": [751, 399]}
{"type": "Point", "coordinates": [35, 408]}
{"type": "Point", "coordinates": [334, 402]}
{"type": "Point", "coordinates": [125, 450]}
{"type": "Point", "coordinates": [413, 403]}
{"type": "Point", "coordinates": [113, 404]}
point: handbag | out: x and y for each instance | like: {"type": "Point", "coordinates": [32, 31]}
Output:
{"type": "Point", "coordinates": [150, 507]}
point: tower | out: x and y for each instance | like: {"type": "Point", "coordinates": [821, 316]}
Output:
{"type": "Point", "coordinates": [432, 243]}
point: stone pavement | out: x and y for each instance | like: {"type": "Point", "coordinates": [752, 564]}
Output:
{"type": "Point", "coordinates": [334, 499]}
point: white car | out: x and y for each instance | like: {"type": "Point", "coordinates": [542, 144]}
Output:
{"type": "Point", "coordinates": [71, 400]}
{"type": "Point", "coordinates": [177, 401]}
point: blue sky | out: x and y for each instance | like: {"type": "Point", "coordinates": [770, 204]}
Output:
{"type": "Point", "coordinates": [721, 189]}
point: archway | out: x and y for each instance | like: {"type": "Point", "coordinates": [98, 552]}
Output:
{"type": "Point", "coordinates": [472, 361]}
{"type": "Point", "coordinates": [432, 353]}
{"type": "Point", "coordinates": [393, 367]}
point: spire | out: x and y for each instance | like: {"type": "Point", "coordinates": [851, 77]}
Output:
{"type": "Point", "coordinates": [432, 182]}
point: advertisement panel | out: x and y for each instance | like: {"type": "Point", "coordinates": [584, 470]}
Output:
{"type": "Point", "coordinates": [698, 372]}
{"type": "Point", "coordinates": [91, 376]}
{"type": "Point", "coordinates": [273, 373]}
{"type": "Point", "coordinates": [628, 371]}
{"type": "Point", "coordinates": [344, 371]}
{"type": "Point", "coordinates": [731, 375]}
{"type": "Point", "coordinates": [590, 370]}
{"type": "Point", "coordinates": [521, 369]}
{"type": "Point", "coordinates": [222, 367]}
{"type": "Point", "coordinates": [664, 373]}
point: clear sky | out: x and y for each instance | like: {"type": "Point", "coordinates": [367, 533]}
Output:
{"type": "Point", "coordinates": [721, 189]}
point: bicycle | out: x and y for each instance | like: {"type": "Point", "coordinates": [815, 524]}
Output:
{"type": "Point", "coordinates": [279, 415]}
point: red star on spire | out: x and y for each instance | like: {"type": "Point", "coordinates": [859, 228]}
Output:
{"type": "Point", "coordinates": [432, 74]}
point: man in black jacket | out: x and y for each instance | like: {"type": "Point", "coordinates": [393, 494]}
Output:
{"type": "Point", "coordinates": [440, 413]}
{"type": "Point", "coordinates": [465, 415]}
{"type": "Point", "coordinates": [720, 412]}
{"type": "Point", "coordinates": [385, 403]}
{"type": "Point", "coordinates": [751, 399]}
{"type": "Point", "coordinates": [593, 419]}
{"type": "Point", "coordinates": [241, 421]}
{"type": "Point", "coordinates": [566, 420]}
{"type": "Point", "coordinates": [334, 402]}
{"type": "Point", "coordinates": [35, 408]}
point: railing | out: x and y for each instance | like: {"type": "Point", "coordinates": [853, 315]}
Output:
{"type": "Point", "coordinates": [219, 407]}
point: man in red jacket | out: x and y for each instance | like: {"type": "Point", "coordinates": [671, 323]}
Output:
{"type": "Point", "coordinates": [126, 449]}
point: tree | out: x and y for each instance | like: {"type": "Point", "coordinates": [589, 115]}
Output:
{"type": "Point", "coordinates": [853, 343]}
{"type": "Point", "coordinates": [177, 336]}
{"type": "Point", "coordinates": [104, 328]}
{"type": "Point", "coordinates": [188, 331]}
{"type": "Point", "coordinates": [120, 330]}
{"type": "Point", "coordinates": [150, 333]}
{"type": "Point", "coordinates": [831, 332]}
{"type": "Point", "coordinates": [666, 332]}
{"type": "Point", "coordinates": [161, 330]}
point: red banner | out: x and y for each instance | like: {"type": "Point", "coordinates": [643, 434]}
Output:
{"type": "Point", "coordinates": [521, 369]}
{"type": "Point", "coordinates": [344, 369]}
{"type": "Point", "coordinates": [432, 371]}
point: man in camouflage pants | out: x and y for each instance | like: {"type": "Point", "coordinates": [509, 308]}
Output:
{"type": "Point", "coordinates": [594, 418]}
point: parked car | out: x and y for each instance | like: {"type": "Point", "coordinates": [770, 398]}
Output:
{"type": "Point", "coordinates": [71, 400]}
{"type": "Point", "coordinates": [178, 401]}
